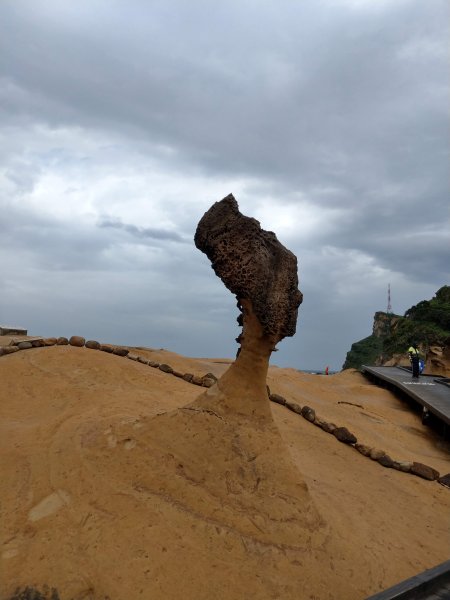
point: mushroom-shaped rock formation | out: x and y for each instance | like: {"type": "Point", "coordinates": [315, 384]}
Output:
{"type": "Point", "coordinates": [222, 456]}
{"type": "Point", "coordinates": [262, 273]}
{"type": "Point", "coordinates": [218, 468]}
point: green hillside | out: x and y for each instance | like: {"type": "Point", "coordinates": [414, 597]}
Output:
{"type": "Point", "coordinates": [427, 323]}
{"type": "Point", "coordinates": [364, 352]}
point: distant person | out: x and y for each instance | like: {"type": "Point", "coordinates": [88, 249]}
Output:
{"type": "Point", "coordinates": [414, 358]}
{"type": "Point", "coordinates": [326, 370]}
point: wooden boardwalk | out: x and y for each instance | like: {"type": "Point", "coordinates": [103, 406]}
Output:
{"type": "Point", "coordinates": [430, 391]}
{"type": "Point", "coordinates": [433, 584]}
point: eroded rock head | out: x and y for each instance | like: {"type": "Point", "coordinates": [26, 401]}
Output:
{"type": "Point", "coordinates": [253, 264]}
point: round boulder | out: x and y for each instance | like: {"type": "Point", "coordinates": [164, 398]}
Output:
{"type": "Point", "coordinates": [24, 345]}
{"type": "Point", "coordinates": [402, 465]}
{"type": "Point", "coordinates": [328, 427]}
{"type": "Point", "coordinates": [8, 350]}
{"type": "Point", "coordinates": [278, 399]}
{"type": "Point", "coordinates": [344, 435]}
{"type": "Point", "coordinates": [424, 471]}
{"type": "Point", "coordinates": [165, 368]}
{"type": "Point", "coordinates": [210, 376]}
{"type": "Point", "coordinates": [309, 414]}
{"type": "Point", "coordinates": [386, 461]}
{"type": "Point", "coordinates": [363, 449]}
{"type": "Point", "coordinates": [93, 345]}
{"type": "Point", "coordinates": [12, 349]}
{"type": "Point", "coordinates": [294, 407]}
{"type": "Point", "coordinates": [121, 352]}
{"type": "Point", "coordinates": [77, 341]}
{"type": "Point", "coordinates": [376, 453]}
{"type": "Point", "coordinates": [62, 341]}
{"type": "Point", "coordinates": [106, 348]}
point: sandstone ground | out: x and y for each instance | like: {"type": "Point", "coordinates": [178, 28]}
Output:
{"type": "Point", "coordinates": [103, 498]}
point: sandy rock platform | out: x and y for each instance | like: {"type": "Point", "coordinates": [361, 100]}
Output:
{"type": "Point", "coordinates": [112, 487]}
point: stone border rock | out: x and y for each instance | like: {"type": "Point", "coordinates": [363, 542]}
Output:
{"type": "Point", "coordinates": [79, 342]}
{"type": "Point", "coordinates": [342, 434]}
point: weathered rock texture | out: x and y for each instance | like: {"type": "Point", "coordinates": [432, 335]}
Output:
{"type": "Point", "coordinates": [252, 264]}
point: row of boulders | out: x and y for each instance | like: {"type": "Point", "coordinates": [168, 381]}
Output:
{"type": "Point", "coordinates": [206, 381]}
{"type": "Point", "coordinates": [342, 434]}
{"type": "Point", "coordinates": [345, 436]}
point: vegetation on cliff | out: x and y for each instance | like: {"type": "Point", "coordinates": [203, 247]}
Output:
{"type": "Point", "coordinates": [364, 352]}
{"type": "Point", "coordinates": [427, 323]}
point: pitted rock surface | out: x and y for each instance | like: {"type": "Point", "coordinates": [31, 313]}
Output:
{"type": "Point", "coordinates": [252, 264]}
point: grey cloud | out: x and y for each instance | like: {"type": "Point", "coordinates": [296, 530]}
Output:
{"type": "Point", "coordinates": [149, 234]}
{"type": "Point", "coordinates": [309, 102]}
{"type": "Point", "coordinates": [341, 110]}
{"type": "Point", "coordinates": [41, 242]}
{"type": "Point", "coordinates": [407, 236]}
{"type": "Point", "coordinates": [213, 95]}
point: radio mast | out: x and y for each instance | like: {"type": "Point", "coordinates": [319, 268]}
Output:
{"type": "Point", "coordinates": [389, 306]}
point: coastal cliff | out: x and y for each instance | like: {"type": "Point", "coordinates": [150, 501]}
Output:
{"type": "Point", "coordinates": [427, 323]}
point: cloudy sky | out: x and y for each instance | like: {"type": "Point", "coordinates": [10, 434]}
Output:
{"type": "Point", "coordinates": [122, 121]}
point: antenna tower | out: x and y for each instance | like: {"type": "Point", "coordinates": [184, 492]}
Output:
{"type": "Point", "coordinates": [389, 306]}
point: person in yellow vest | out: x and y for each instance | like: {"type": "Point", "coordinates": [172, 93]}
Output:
{"type": "Point", "coordinates": [414, 356]}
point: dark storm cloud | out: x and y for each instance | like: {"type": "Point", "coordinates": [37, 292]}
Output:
{"type": "Point", "coordinates": [311, 96]}
{"type": "Point", "coordinates": [328, 88]}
